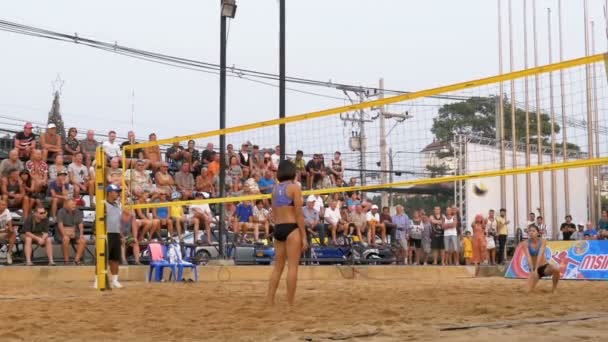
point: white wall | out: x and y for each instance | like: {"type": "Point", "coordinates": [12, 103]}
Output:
{"type": "Point", "coordinates": [485, 158]}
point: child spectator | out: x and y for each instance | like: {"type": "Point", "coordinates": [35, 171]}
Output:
{"type": "Point", "coordinates": [467, 246]}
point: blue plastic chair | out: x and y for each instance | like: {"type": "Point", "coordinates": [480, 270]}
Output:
{"type": "Point", "coordinates": [157, 266]}
{"type": "Point", "coordinates": [181, 265]}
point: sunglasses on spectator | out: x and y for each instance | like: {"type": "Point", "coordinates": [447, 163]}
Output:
{"type": "Point", "coordinates": [41, 213]}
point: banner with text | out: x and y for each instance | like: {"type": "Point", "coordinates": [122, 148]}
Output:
{"type": "Point", "coordinates": [586, 259]}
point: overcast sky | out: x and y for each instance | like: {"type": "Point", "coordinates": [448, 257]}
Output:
{"type": "Point", "coordinates": [412, 44]}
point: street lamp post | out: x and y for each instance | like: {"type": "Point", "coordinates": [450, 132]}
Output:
{"type": "Point", "coordinates": [228, 10]}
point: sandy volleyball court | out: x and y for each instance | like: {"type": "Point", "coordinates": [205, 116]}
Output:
{"type": "Point", "coordinates": [328, 310]}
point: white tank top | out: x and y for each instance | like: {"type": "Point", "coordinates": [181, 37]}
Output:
{"type": "Point", "coordinates": [491, 227]}
{"type": "Point", "coordinates": [416, 230]}
{"type": "Point", "coordinates": [451, 231]}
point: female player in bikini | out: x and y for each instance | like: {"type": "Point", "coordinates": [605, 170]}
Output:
{"type": "Point", "coordinates": [289, 233]}
{"type": "Point", "coordinates": [535, 248]}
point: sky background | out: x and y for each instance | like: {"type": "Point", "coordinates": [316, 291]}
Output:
{"type": "Point", "coordinates": [413, 45]}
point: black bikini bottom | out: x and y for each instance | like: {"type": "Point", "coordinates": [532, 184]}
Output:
{"type": "Point", "coordinates": [282, 231]}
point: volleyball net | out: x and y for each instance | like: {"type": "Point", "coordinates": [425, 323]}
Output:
{"type": "Point", "coordinates": [457, 139]}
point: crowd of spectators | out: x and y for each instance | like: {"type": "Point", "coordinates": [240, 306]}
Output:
{"type": "Point", "coordinates": [46, 172]}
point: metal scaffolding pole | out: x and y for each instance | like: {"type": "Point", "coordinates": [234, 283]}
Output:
{"type": "Point", "coordinates": [513, 119]}
{"type": "Point", "coordinates": [539, 135]}
{"type": "Point", "coordinates": [554, 218]}
{"type": "Point", "coordinates": [564, 114]}
{"type": "Point", "coordinates": [501, 113]}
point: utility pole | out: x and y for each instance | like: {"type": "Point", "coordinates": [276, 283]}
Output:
{"type": "Point", "coordinates": [383, 166]}
{"type": "Point", "coordinates": [282, 77]}
{"type": "Point", "coordinates": [358, 139]}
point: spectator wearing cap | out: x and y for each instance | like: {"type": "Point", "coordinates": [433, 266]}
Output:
{"type": "Point", "coordinates": [113, 228]}
{"type": "Point", "coordinates": [312, 221]}
{"type": "Point", "coordinates": [138, 180]}
{"type": "Point", "coordinates": [88, 146]}
{"type": "Point", "coordinates": [72, 145]}
{"type": "Point", "coordinates": [25, 142]}
{"type": "Point", "coordinates": [184, 181]}
{"type": "Point", "coordinates": [336, 168]}
{"type": "Point", "coordinates": [11, 163]}
{"type": "Point", "coordinates": [164, 180]}
{"type": "Point", "coordinates": [59, 192]}
{"type": "Point", "coordinates": [244, 157]}
{"type": "Point", "coordinates": [567, 228]}
{"type": "Point", "coordinates": [70, 229]}
{"type": "Point", "coordinates": [79, 177]}
{"type": "Point", "coordinates": [313, 171]}
{"type": "Point", "coordinates": [36, 229]}
{"type": "Point", "coordinates": [152, 154]}
{"type": "Point", "coordinates": [132, 156]}
{"type": "Point", "coordinates": [373, 221]}
{"type": "Point", "coordinates": [111, 147]}
{"type": "Point", "coordinates": [51, 143]}
{"type": "Point", "coordinates": [38, 170]}
{"type": "Point", "coordinates": [580, 233]}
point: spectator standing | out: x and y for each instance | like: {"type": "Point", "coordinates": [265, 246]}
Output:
{"type": "Point", "coordinates": [111, 147]}
{"type": "Point", "coordinates": [88, 146]}
{"type": "Point", "coordinates": [12, 162]}
{"type": "Point", "coordinates": [427, 237]}
{"type": "Point", "coordinates": [603, 226]}
{"type": "Point", "coordinates": [36, 228]}
{"type": "Point", "coordinates": [113, 227]}
{"type": "Point", "coordinates": [531, 221]}
{"type": "Point", "coordinates": [502, 226]}
{"type": "Point", "coordinates": [8, 233]}
{"type": "Point", "coordinates": [467, 247]}
{"type": "Point", "coordinates": [401, 224]}
{"type": "Point", "coordinates": [72, 145]}
{"type": "Point", "coordinates": [491, 230]}
{"type": "Point", "coordinates": [312, 222]}
{"type": "Point", "coordinates": [70, 229]}
{"type": "Point", "coordinates": [450, 238]}
{"type": "Point", "coordinates": [437, 243]}
{"type": "Point", "coordinates": [542, 227]}
{"type": "Point", "coordinates": [415, 238]}
{"type": "Point", "coordinates": [479, 242]}
{"type": "Point", "coordinates": [25, 142]}
{"type": "Point", "coordinates": [580, 233]}
{"type": "Point", "coordinates": [568, 228]}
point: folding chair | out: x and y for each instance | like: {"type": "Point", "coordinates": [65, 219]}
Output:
{"type": "Point", "coordinates": [159, 261]}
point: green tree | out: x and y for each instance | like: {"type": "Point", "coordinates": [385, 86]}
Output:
{"type": "Point", "coordinates": [477, 116]}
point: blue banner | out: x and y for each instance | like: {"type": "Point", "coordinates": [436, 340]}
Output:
{"type": "Point", "coordinates": [586, 259]}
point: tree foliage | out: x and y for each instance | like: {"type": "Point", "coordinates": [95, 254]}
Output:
{"type": "Point", "coordinates": [477, 116]}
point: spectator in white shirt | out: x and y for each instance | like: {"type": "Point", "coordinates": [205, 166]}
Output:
{"type": "Point", "coordinates": [111, 147]}
{"type": "Point", "coordinates": [275, 158]}
{"type": "Point", "coordinates": [333, 218]}
{"type": "Point", "coordinates": [373, 220]}
{"type": "Point", "coordinates": [203, 213]}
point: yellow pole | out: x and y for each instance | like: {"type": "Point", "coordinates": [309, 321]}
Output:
{"type": "Point", "coordinates": [101, 268]}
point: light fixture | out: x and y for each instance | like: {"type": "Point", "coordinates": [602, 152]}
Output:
{"type": "Point", "coordinates": [228, 8]}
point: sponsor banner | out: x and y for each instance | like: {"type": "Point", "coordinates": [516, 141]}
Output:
{"type": "Point", "coordinates": [587, 259]}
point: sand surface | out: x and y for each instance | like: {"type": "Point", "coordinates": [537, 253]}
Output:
{"type": "Point", "coordinates": [347, 310]}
